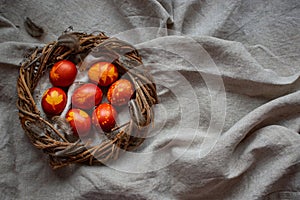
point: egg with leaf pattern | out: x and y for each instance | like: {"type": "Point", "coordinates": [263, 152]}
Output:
{"type": "Point", "coordinates": [79, 121]}
{"type": "Point", "coordinates": [54, 101]}
{"type": "Point", "coordinates": [103, 73]}
{"type": "Point", "coordinates": [87, 96]}
{"type": "Point", "coordinates": [63, 73]}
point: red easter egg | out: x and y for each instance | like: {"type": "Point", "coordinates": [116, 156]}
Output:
{"type": "Point", "coordinates": [80, 122]}
{"type": "Point", "coordinates": [87, 96]}
{"type": "Point", "coordinates": [63, 73]}
{"type": "Point", "coordinates": [54, 101]}
{"type": "Point", "coordinates": [104, 117]}
{"type": "Point", "coordinates": [120, 92]}
{"type": "Point", "coordinates": [103, 73]}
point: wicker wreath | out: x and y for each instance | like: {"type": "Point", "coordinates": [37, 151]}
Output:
{"type": "Point", "coordinates": [50, 134]}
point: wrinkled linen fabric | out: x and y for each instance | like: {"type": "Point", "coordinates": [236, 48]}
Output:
{"type": "Point", "coordinates": [228, 122]}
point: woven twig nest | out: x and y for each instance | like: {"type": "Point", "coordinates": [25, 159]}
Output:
{"type": "Point", "coordinates": [49, 134]}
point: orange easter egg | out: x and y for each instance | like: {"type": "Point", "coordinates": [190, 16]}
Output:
{"type": "Point", "coordinates": [103, 73]}
{"type": "Point", "coordinates": [120, 92]}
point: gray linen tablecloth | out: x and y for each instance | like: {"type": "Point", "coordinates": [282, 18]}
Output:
{"type": "Point", "coordinates": [227, 126]}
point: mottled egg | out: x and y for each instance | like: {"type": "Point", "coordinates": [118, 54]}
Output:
{"type": "Point", "coordinates": [104, 117]}
{"type": "Point", "coordinates": [120, 92]}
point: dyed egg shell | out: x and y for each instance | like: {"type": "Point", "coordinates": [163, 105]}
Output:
{"type": "Point", "coordinates": [54, 101]}
{"type": "Point", "coordinates": [103, 73]}
{"type": "Point", "coordinates": [120, 92]}
{"type": "Point", "coordinates": [104, 117]}
{"type": "Point", "coordinates": [87, 96]}
{"type": "Point", "coordinates": [63, 73]}
{"type": "Point", "coordinates": [80, 122]}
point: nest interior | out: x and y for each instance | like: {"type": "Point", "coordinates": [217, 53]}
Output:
{"type": "Point", "coordinates": [49, 136]}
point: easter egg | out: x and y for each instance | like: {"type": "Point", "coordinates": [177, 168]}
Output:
{"type": "Point", "coordinates": [103, 73]}
{"type": "Point", "coordinates": [54, 101]}
{"type": "Point", "coordinates": [120, 92]}
{"type": "Point", "coordinates": [80, 121]}
{"type": "Point", "coordinates": [63, 73]}
{"type": "Point", "coordinates": [104, 117]}
{"type": "Point", "coordinates": [87, 96]}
